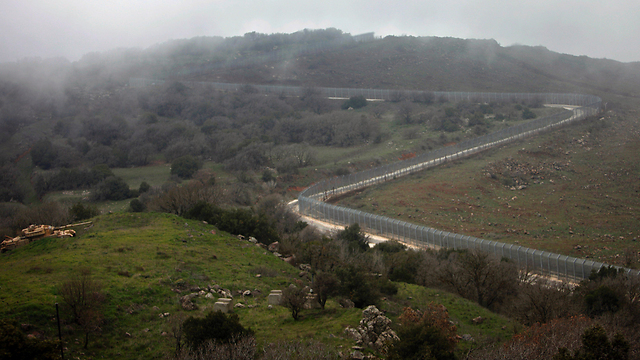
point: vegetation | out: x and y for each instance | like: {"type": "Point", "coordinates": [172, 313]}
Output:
{"type": "Point", "coordinates": [181, 168]}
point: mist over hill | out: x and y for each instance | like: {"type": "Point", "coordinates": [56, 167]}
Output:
{"type": "Point", "coordinates": [332, 58]}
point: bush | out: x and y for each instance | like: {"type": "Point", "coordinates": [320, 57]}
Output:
{"type": "Point", "coordinates": [137, 206]}
{"type": "Point", "coordinates": [81, 212]}
{"type": "Point", "coordinates": [293, 298]}
{"type": "Point", "coordinates": [111, 188]}
{"type": "Point", "coordinates": [354, 238]}
{"type": "Point", "coordinates": [43, 154]}
{"type": "Point", "coordinates": [355, 102]}
{"type": "Point", "coordinates": [602, 300]}
{"type": "Point", "coordinates": [528, 114]}
{"type": "Point", "coordinates": [144, 187]}
{"type": "Point", "coordinates": [235, 221]}
{"type": "Point", "coordinates": [355, 285]}
{"type": "Point", "coordinates": [425, 335]}
{"type": "Point", "coordinates": [214, 326]}
{"type": "Point", "coordinates": [185, 167]}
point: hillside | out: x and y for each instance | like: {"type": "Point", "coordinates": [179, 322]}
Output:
{"type": "Point", "coordinates": [146, 262]}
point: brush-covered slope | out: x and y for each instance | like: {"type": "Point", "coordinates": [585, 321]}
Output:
{"type": "Point", "coordinates": [146, 262]}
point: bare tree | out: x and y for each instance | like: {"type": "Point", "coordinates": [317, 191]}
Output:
{"type": "Point", "coordinates": [294, 298]}
{"type": "Point", "coordinates": [178, 200]}
{"type": "Point", "coordinates": [478, 276]}
{"type": "Point", "coordinates": [83, 298]}
{"type": "Point", "coordinates": [176, 322]}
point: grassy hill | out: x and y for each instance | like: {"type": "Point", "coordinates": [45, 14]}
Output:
{"type": "Point", "coordinates": [142, 260]}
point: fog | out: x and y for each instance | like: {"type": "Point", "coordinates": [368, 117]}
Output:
{"type": "Point", "coordinates": [72, 28]}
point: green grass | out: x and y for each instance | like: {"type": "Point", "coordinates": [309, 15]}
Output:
{"type": "Point", "coordinates": [154, 175]}
{"type": "Point", "coordinates": [140, 258]}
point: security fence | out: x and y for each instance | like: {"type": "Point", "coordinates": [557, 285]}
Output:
{"type": "Point", "coordinates": [310, 201]}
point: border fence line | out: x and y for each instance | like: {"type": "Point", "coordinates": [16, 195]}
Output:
{"type": "Point", "coordinates": [310, 201]}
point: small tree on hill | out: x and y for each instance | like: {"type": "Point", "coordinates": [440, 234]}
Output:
{"type": "Point", "coordinates": [325, 284]}
{"type": "Point", "coordinates": [83, 299]}
{"type": "Point", "coordinates": [293, 298]}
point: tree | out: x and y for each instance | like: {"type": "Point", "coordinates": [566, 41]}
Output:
{"type": "Point", "coordinates": [83, 299]}
{"type": "Point", "coordinates": [111, 188]}
{"type": "Point", "coordinates": [80, 211]}
{"type": "Point", "coordinates": [294, 298]}
{"type": "Point", "coordinates": [144, 187]}
{"type": "Point", "coordinates": [355, 102]}
{"type": "Point", "coordinates": [478, 276]}
{"type": "Point", "coordinates": [185, 166]}
{"type": "Point", "coordinates": [596, 345]}
{"type": "Point", "coordinates": [355, 285]}
{"type": "Point", "coordinates": [354, 238]}
{"type": "Point", "coordinates": [425, 335]}
{"type": "Point", "coordinates": [325, 284]}
{"type": "Point", "coordinates": [43, 154]}
{"type": "Point", "coordinates": [214, 326]}
{"type": "Point", "coordinates": [137, 206]}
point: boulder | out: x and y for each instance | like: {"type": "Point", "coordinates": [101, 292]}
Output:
{"type": "Point", "coordinates": [274, 246]}
{"type": "Point", "coordinates": [374, 330]}
{"type": "Point", "coordinates": [187, 304]}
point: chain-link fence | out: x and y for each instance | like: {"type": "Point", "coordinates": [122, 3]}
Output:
{"type": "Point", "coordinates": [543, 262]}
{"type": "Point", "coordinates": [310, 201]}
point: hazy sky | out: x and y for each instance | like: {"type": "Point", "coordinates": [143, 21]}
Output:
{"type": "Point", "coordinates": [72, 28]}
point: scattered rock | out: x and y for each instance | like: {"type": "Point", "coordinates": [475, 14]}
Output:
{"type": "Point", "coordinates": [467, 337]}
{"type": "Point", "coordinates": [239, 306]}
{"type": "Point", "coordinates": [373, 331]}
{"type": "Point", "coordinates": [477, 321]}
{"type": "Point", "coordinates": [253, 240]}
{"type": "Point", "coordinates": [346, 303]}
{"type": "Point", "coordinates": [246, 293]}
{"type": "Point", "coordinates": [274, 246]}
{"type": "Point", "coordinates": [187, 304]}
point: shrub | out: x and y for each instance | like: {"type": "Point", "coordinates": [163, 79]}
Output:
{"type": "Point", "coordinates": [111, 188]}
{"type": "Point", "coordinates": [137, 206]}
{"type": "Point", "coordinates": [293, 298]}
{"type": "Point", "coordinates": [354, 238]}
{"type": "Point", "coordinates": [355, 285]}
{"type": "Point", "coordinates": [528, 114]}
{"type": "Point", "coordinates": [602, 300]}
{"type": "Point", "coordinates": [185, 167]}
{"type": "Point", "coordinates": [355, 102]}
{"type": "Point", "coordinates": [214, 326]}
{"type": "Point", "coordinates": [144, 187]}
{"type": "Point", "coordinates": [425, 335]}
{"type": "Point", "coordinates": [15, 345]}
{"type": "Point", "coordinates": [81, 212]}
{"type": "Point", "coordinates": [43, 154]}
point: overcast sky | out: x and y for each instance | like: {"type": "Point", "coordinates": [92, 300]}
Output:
{"type": "Point", "coordinates": [72, 28]}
